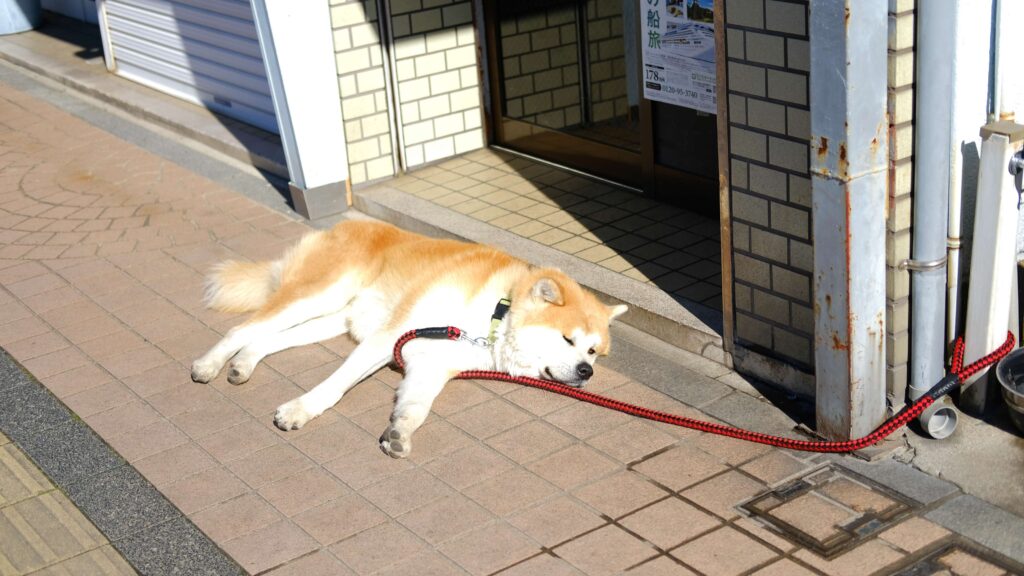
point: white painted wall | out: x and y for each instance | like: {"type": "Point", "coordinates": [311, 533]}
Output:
{"type": "Point", "coordinates": [298, 50]}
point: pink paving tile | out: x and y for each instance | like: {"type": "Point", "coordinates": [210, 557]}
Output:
{"type": "Point", "coordinates": [631, 441]}
{"type": "Point", "coordinates": [427, 563]}
{"type": "Point", "coordinates": [340, 519]}
{"type": "Point", "coordinates": [775, 466]}
{"type": "Point", "coordinates": [270, 546]}
{"type": "Point", "coordinates": [56, 362]}
{"type": "Point", "coordinates": [67, 296]}
{"type": "Point", "coordinates": [77, 380]}
{"type": "Point", "coordinates": [609, 550]}
{"type": "Point", "coordinates": [36, 285]}
{"type": "Point", "coordinates": [868, 558]}
{"type": "Point", "coordinates": [436, 439]}
{"type": "Point", "coordinates": [174, 464]}
{"type": "Point", "coordinates": [446, 518]}
{"type": "Point", "coordinates": [489, 549]}
{"type": "Point", "coordinates": [914, 534]}
{"type": "Point", "coordinates": [160, 379]}
{"type": "Point", "coordinates": [573, 466]}
{"type": "Point", "coordinates": [365, 466]}
{"type": "Point", "coordinates": [317, 564]}
{"type": "Point", "coordinates": [723, 552]}
{"type": "Point", "coordinates": [72, 312]}
{"type": "Point", "coordinates": [510, 492]}
{"type": "Point", "coordinates": [730, 450]}
{"type": "Point", "coordinates": [99, 399]}
{"type": "Point", "coordinates": [784, 567]}
{"type": "Point", "coordinates": [586, 420]}
{"type": "Point", "coordinates": [262, 398]}
{"type": "Point", "coordinates": [723, 493]}
{"type": "Point", "coordinates": [467, 466]}
{"type": "Point", "coordinates": [112, 344]}
{"type": "Point", "coordinates": [184, 398]}
{"type": "Point", "coordinates": [269, 464]}
{"type": "Point", "coordinates": [22, 328]}
{"type": "Point", "coordinates": [556, 521]}
{"type": "Point", "coordinates": [378, 548]}
{"type": "Point", "coordinates": [300, 359]}
{"type": "Point", "coordinates": [538, 402]}
{"type": "Point", "coordinates": [365, 396]}
{"type": "Point", "coordinates": [155, 438]}
{"type": "Point", "coordinates": [680, 467]}
{"type": "Point", "coordinates": [545, 564]}
{"type": "Point", "coordinates": [210, 419]}
{"type": "Point", "coordinates": [333, 440]}
{"type": "Point", "coordinates": [239, 441]}
{"type": "Point", "coordinates": [307, 489]}
{"type": "Point", "coordinates": [529, 441]}
{"type": "Point", "coordinates": [35, 346]}
{"type": "Point", "coordinates": [459, 395]}
{"type": "Point", "coordinates": [93, 330]}
{"type": "Point", "coordinates": [236, 517]}
{"type": "Point", "coordinates": [489, 418]}
{"type": "Point", "coordinates": [122, 419]}
{"type": "Point", "coordinates": [661, 566]}
{"type": "Point", "coordinates": [620, 494]}
{"type": "Point", "coordinates": [204, 489]}
{"type": "Point", "coordinates": [406, 491]}
{"type": "Point", "coordinates": [134, 362]}
{"type": "Point", "coordinates": [669, 522]}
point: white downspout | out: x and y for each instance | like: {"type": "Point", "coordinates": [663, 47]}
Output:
{"type": "Point", "coordinates": [933, 160]}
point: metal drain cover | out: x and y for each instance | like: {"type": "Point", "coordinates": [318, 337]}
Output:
{"type": "Point", "coordinates": [829, 510]}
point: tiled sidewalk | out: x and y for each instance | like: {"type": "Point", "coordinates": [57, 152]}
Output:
{"type": "Point", "coordinates": [103, 250]}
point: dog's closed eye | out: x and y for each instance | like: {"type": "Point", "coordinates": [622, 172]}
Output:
{"type": "Point", "coordinates": [568, 340]}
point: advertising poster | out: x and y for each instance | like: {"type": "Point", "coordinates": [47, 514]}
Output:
{"type": "Point", "coordinates": [678, 39]}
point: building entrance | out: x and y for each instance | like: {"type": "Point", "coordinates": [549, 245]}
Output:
{"type": "Point", "coordinates": [566, 87]}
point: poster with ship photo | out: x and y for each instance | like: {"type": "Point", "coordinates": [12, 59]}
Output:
{"type": "Point", "coordinates": [678, 39]}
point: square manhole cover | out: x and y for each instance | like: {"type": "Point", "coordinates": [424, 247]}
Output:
{"type": "Point", "coordinates": [829, 510]}
{"type": "Point", "coordinates": [960, 559]}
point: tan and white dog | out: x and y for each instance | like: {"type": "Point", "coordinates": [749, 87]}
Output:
{"type": "Point", "coordinates": [376, 282]}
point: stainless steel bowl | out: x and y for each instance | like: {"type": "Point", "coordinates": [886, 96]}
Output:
{"type": "Point", "coordinates": [1010, 373]}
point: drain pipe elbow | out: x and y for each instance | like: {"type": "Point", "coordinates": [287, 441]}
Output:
{"type": "Point", "coordinates": [940, 419]}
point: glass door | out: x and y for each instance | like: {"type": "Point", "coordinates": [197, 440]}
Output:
{"type": "Point", "coordinates": [566, 87]}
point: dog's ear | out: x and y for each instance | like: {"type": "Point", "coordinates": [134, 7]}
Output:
{"type": "Point", "coordinates": [616, 311]}
{"type": "Point", "coordinates": [547, 290]}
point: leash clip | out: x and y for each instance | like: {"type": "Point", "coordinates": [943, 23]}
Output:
{"type": "Point", "coordinates": [479, 341]}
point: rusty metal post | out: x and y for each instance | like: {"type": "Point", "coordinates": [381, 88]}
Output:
{"type": "Point", "coordinates": [849, 168]}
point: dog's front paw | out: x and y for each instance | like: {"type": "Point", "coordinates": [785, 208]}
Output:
{"type": "Point", "coordinates": [292, 415]}
{"type": "Point", "coordinates": [394, 443]}
{"type": "Point", "coordinates": [203, 372]}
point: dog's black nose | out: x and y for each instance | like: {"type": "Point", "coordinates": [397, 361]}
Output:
{"type": "Point", "coordinates": [584, 370]}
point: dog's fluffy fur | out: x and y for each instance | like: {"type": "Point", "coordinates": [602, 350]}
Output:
{"type": "Point", "coordinates": [375, 282]}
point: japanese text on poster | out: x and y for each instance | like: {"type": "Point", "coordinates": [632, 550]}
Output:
{"type": "Point", "coordinates": [679, 52]}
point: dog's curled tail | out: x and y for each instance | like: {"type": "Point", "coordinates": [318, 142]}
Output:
{"type": "Point", "coordinates": [235, 287]}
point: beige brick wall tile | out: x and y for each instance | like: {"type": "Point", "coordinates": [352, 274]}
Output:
{"type": "Point", "coordinates": [460, 13]}
{"type": "Point", "coordinates": [441, 40]}
{"type": "Point", "coordinates": [358, 106]}
{"type": "Point", "coordinates": [749, 208]}
{"type": "Point", "coordinates": [419, 132]}
{"type": "Point", "coordinates": [748, 144]}
{"type": "Point", "coordinates": [461, 57]}
{"type": "Point", "coordinates": [747, 79]}
{"type": "Point", "coordinates": [469, 141]}
{"type": "Point", "coordinates": [347, 15]}
{"type": "Point", "coordinates": [766, 115]}
{"type": "Point", "coordinates": [410, 46]}
{"type": "Point", "coordinates": [445, 82]}
{"type": "Point", "coordinates": [353, 60]}
{"type": "Point", "coordinates": [748, 13]}
{"type": "Point", "coordinates": [799, 54]}
{"type": "Point", "coordinates": [438, 149]}
{"type": "Point", "coordinates": [785, 17]}
{"type": "Point", "coordinates": [425, 20]}
{"type": "Point", "coordinates": [766, 49]}
{"type": "Point", "coordinates": [753, 330]}
{"type": "Point", "coordinates": [788, 154]}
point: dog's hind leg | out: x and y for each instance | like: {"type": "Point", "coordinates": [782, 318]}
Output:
{"type": "Point", "coordinates": [318, 329]}
{"type": "Point", "coordinates": [370, 355]}
{"type": "Point", "coordinates": [284, 310]}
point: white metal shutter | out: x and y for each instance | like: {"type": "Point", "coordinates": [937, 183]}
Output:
{"type": "Point", "coordinates": [205, 51]}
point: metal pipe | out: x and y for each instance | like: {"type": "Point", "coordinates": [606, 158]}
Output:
{"type": "Point", "coordinates": [934, 153]}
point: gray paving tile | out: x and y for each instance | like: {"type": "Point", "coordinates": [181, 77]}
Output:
{"type": "Point", "coordinates": [982, 522]}
{"type": "Point", "coordinates": [71, 452]}
{"type": "Point", "coordinates": [121, 502]}
{"type": "Point", "coordinates": [900, 477]}
{"type": "Point", "coordinates": [176, 547]}
{"type": "Point", "coordinates": [27, 410]}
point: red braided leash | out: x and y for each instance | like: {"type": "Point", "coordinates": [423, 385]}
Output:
{"type": "Point", "coordinates": [958, 374]}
